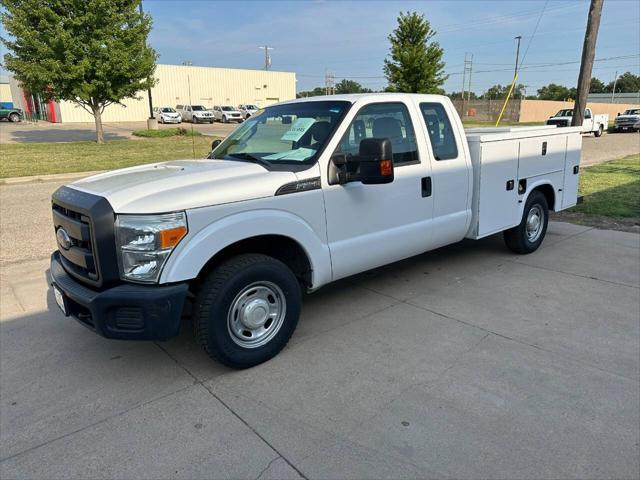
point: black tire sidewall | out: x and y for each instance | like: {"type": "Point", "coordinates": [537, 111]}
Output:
{"type": "Point", "coordinates": [219, 339]}
{"type": "Point", "coordinates": [14, 118]}
{"type": "Point", "coordinates": [535, 198]}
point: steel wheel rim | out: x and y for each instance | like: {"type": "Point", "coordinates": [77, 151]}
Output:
{"type": "Point", "coordinates": [256, 314]}
{"type": "Point", "coordinates": [535, 222]}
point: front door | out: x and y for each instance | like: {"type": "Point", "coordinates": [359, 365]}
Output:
{"type": "Point", "coordinates": [372, 225]}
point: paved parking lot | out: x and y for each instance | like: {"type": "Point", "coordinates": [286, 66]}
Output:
{"type": "Point", "coordinates": [466, 362]}
{"type": "Point", "coordinates": [27, 132]}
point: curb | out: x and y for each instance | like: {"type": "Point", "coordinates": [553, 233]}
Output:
{"type": "Point", "coordinates": [47, 178]}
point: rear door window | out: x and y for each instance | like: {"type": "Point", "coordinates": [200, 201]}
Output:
{"type": "Point", "coordinates": [441, 136]}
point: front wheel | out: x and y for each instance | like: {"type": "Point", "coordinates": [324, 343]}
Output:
{"type": "Point", "coordinates": [598, 133]}
{"type": "Point", "coordinates": [14, 117]}
{"type": "Point", "coordinates": [527, 237]}
{"type": "Point", "coordinates": [246, 310]}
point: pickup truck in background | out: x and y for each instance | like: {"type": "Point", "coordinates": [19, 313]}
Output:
{"type": "Point", "coordinates": [629, 120]}
{"type": "Point", "coordinates": [301, 194]}
{"type": "Point", "coordinates": [595, 124]}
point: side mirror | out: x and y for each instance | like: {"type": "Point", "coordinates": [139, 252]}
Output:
{"type": "Point", "coordinates": [376, 161]}
{"type": "Point", "coordinates": [618, 114]}
{"type": "Point", "coordinates": [373, 164]}
{"type": "Point", "coordinates": [215, 144]}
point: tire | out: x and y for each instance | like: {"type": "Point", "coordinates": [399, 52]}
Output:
{"type": "Point", "coordinates": [194, 120]}
{"type": "Point", "coordinates": [14, 117]}
{"type": "Point", "coordinates": [225, 299]}
{"type": "Point", "coordinates": [521, 239]}
{"type": "Point", "coordinates": [225, 119]}
{"type": "Point", "coordinates": [598, 133]}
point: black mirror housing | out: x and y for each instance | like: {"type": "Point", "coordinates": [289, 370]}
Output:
{"type": "Point", "coordinates": [215, 144]}
{"type": "Point", "coordinates": [376, 161]}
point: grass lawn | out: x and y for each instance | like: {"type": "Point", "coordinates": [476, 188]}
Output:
{"type": "Point", "coordinates": [26, 159]}
{"type": "Point", "coordinates": [611, 189]}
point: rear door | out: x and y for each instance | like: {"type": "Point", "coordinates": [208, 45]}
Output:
{"type": "Point", "coordinates": [450, 175]}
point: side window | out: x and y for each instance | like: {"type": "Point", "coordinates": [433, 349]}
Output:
{"type": "Point", "coordinates": [188, 108]}
{"type": "Point", "coordinates": [443, 140]}
{"type": "Point", "coordinates": [587, 113]}
{"type": "Point", "coordinates": [383, 120]}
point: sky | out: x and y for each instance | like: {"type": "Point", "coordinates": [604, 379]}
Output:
{"type": "Point", "coordinates": [349, 38]}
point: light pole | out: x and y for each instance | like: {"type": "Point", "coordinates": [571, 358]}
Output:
{"type": "Point", "coordinates": [518, 38]}
{"type": "Point", "coordinates": [148, 89]}
{"type": "Point", "coordinates": [515, 73]}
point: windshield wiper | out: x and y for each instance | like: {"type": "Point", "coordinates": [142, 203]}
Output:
{"type": "Point", "coordinates": [247, 157]}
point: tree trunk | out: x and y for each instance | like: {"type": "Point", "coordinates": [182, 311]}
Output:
{"type": "Point", "coordinates": [97, 116]}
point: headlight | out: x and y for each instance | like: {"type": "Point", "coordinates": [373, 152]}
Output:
{"type": "Point", "coordinates": [144, 243]}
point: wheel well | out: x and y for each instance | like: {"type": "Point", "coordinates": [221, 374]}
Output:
{"type": "Point", "coordinates": [285, 249]}
{"type": "Point", "coordinates": [548, 192]}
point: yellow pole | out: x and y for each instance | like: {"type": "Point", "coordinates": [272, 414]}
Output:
{"type": "Point", "coordinates": [506, 100]}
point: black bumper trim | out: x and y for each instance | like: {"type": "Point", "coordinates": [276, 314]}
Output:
{"type": "Point", "coordinates": [126, 311]}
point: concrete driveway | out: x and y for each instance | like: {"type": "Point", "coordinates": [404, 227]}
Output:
{"type": "Point", "coordinates": [466, 362]}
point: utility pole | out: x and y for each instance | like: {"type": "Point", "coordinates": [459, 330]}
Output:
{"type": "Point", "coordinates": [615, 82]}
{"type": "Point", "coordinates": [469, 84]}
{"type": "Point", "coordinates": [466, 74]}
{"type": "Point", "coordinates": [586, 65]}
{"type": "Point", "coordinates": [149, 89]}
{"type": "Point", "coordinates": [329, 83]}
{"type": "Point", "coordinates": [267, 56]}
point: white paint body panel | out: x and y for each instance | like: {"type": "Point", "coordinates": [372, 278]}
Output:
{"type": "Point", "coordinates": [346, 229]}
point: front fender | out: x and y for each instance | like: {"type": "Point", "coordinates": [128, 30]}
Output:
{"type": "Point", "coordinates": [209, 238]}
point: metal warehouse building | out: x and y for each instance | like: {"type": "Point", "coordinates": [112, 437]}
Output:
{"type": "Point", "coordinates": [176, 84]}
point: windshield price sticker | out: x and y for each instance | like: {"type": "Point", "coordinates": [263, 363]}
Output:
{"type": "Point", "coordinates": [298, 129]}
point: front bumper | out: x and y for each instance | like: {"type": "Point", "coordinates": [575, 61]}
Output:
{"type": "Point", "coordinates": [127, 311]}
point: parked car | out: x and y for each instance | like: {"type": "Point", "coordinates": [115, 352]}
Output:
{"type": "Point", "coordinates": [166, 115]}
{"type": "Point", "coordinates": [247, 110]}
{"type": "Point", "coordinates": [227, 113]}
{"type": "Point", "coordinates": [195, 113]}
{"type": "Point", "coordinates": [306, 192]}
{"type": "Point", "coordinates": [629, 120]}
{"type": "Point", "coordinates": [11, 114]}
{"type": "Point", "coordinates": [591, 123]}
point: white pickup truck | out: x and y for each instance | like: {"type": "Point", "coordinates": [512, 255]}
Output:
{"type": "Point", "coordinates": [595, 124]}
{"type": "Point", "coordinates": [301, 194]}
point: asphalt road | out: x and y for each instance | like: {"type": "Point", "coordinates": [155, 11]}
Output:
{"type": "Point", "coordinates": [466, 362]}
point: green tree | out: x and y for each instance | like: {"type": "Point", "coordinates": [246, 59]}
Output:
{"type": "Point", "coordinates": [497, 92]}
{"type": "Point", "coordinates": [627, 83]}
{"type": "Point", "coordinates": [415, 64]}
{"type": "Point", "coordinates": [350, 86]}
{"type": "Point", "coordinates": [597, 86]}
{"type": "Point", "coordinates": [555, 92]}
{"type": "Point", "coordinates": [90, 52]}
{"type": "Point", "coordinates": [312, 93]}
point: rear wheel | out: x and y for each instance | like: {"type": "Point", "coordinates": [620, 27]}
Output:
{"type": "Point", "coordinates": [598, 133]}
{"type": "Point", "coordinates": [527, 237]}
{"type": "Point", "coordinates": [246, 310]}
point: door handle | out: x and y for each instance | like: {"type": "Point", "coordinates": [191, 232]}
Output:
{"type": "Point", "coordinates": [426, 187]}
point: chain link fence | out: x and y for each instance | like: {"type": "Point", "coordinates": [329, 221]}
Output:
{"type": "Point", "coordinates": [488, 110]}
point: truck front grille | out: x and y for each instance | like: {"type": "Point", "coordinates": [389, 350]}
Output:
{"type": "Point", "coordinates": [78, 254]}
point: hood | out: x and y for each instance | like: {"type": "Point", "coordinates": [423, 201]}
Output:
{"type": "Point", "coordinates": [183, 184]}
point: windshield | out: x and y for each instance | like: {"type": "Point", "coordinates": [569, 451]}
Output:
{"type": "Point", "coordinates": [565, 113]}
{"type": "Point", "coordinates": [633, 111]}
{"type": "Point", "coordinates": [167, 110]}
{"type": "Point", "coordinates": [228, 109]}
{"type": "Point", "coordinates": [291, 134]}
{"type": "Point", "coordinates": [198, 108]}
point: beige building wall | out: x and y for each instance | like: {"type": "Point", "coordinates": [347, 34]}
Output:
{"type": "Point", "coordinates": [179, 84]}
{"type": "Point", "coordinates": [5, 93]}
{"type": "Point", "coordinates": [540, 110]}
